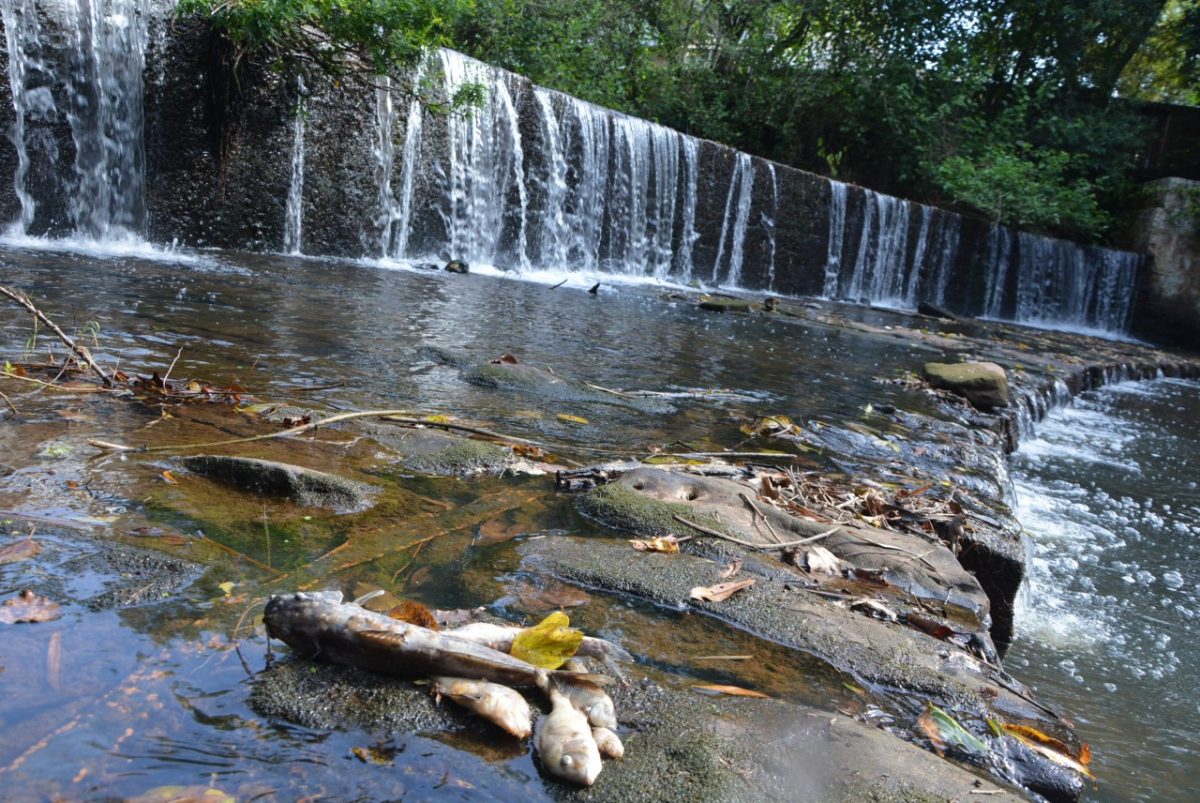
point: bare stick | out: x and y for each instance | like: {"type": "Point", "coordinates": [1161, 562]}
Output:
{"type": "Point", "coordinates": [171, 367]}
{"type": "Point", "coordinates": [763, 516]}
{"type": "Point", "coordinates": [10, 405]}
{"type": "Point", "coordinates": [763, 547]}
{"type": "Point", "coordinates": [80, 351]}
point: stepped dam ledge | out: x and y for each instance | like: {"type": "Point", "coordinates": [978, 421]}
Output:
{"type": "Point", "coordinates": [531, 179]}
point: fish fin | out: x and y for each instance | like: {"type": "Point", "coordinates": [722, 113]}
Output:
{"type": "Point", "coordinates": [581, 679]}
{"type": "Point", "coordinates": [367, 597]}
{"type": "Point", "coordinates": [382, 638]}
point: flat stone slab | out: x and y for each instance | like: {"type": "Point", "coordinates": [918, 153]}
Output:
{"type": "Point", "coordinates": [304, 486]}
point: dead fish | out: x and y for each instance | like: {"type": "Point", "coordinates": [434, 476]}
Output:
{"type": "Point", "coordinates": [565, 743]}
{"type": "Point", "coordinates": [498, 704]}
{"type": "Point", "coordinates": [608, 743]}
{"type": "Point", "coordinates": [500, 637]}
{"type": "Point", "coordinates": [591, 701]}
{"type": "Point", "coordinates": [319, 624]}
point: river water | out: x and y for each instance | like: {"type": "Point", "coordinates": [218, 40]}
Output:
{"type": "Point", "coordinates": [1106, 491]}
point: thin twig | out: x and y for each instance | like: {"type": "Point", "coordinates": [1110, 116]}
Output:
{"type": "Point", "coordinates": [80, 351]}
{"type": "Point", "coordinates": [171, 367]}
{"type": "Point", "coordinates": [762, 515]}
{"type": "Point", "coordinates": [763, 547]}
{"type": "Point", "coordinates": [60, 388]}
{"type": "Point", "coordinates": [10, 404]}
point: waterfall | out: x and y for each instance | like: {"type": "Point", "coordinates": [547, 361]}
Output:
{"type": "Point", "coordinates": [486, 168]}
{"type": "Point", "coordinates": [23, 40]}
{"type": "Point", "coordinates": [688, 234]}
{"type": "Point", "coordinates": [741, 187]}
{"type": "Point", "coordinates": [883, 245]}
{"type": "Point", "coordinates": [95, 60]}
{"type": "Point", "coordinates": [396, 212]}
{"type": "Point", "coordinates": [999, 251]}
{"type": "Point", "coordinates": [768, 224]}
{"type": "Point", "coordinates": [837, 233]}
{"type": "Point", "coordinates": [293, 219]}
{"type": "Point", "coordinates": [528, 179]}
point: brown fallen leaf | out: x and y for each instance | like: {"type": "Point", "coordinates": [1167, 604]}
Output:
{"type": "Point", "coordinates": [505, 359]}
{"type": "Point", "coordinates": [29, 607]}
{"type": "Point", "coordinates": [667, 544]}
{"type": "Point", "coordinates": [736, 691]}
{"type": "Point", "coordinates": [1053, 749]}
{"type": "Point", "coordinates": [719, 592]}
{"type": "Point", "coordinates": [731, 569]}
{"type": "Point", "coordinates": [414, 613]}
{"type": "Point", "coordinates": [21, 550]}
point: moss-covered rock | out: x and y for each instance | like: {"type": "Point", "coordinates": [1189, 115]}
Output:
{"type": "Point", "coordinates": [984, 384]}
{"type": "Point", "coordinates": [304, 486]}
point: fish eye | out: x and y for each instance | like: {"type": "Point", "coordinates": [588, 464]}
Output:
{"type": "Point", "coordinates": [567, 761]}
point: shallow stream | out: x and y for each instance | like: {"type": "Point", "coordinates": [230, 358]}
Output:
{"type": "Point", "coordinates": [129, 699]}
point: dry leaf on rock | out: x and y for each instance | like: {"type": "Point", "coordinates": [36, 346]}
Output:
{"type": "Point", "coordinates": [21, 550]}
{"type": "Point", "coordinates": [819, 560]}
{"type": "Point", "coordinates": [945, 732]}
{"type": "Point", "coordinates": [736, 691]}
{"type": "Point", "coordinates": [572, 419]}
{"type": "Point", "coordinates": [667, 544]}
{"type": "Point", "coordinates": [719, 592]}
{"type": "Point", "coordinates": [29, 607]}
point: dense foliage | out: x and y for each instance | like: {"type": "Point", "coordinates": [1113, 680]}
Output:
{"type": "Point", "coordinates": [1003, 107]}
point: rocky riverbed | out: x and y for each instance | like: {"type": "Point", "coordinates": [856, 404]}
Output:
{"type": "Point", "coordinates": [815, 454]}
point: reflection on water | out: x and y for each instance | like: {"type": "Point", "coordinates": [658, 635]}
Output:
{"type": "Point", "coordinates": [1108, 493]}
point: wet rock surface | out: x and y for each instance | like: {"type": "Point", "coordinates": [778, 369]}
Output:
{"type": "Point", "coordinates": [429, 451]}
{"type": "Point", "coordinates": [984, 384]}
{"type": "Point", "coordinates": [304, 486]}
{"type": "Point", "coordinates": [679, 745]}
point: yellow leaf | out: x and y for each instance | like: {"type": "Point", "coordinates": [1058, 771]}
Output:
{"type": "Point", "coordinates": [672, 460]}
{"type": "Point", "coordinates": [549, 643]}
{"type": "Point", "coordinates": [573, 419]}
{"type": "Point", "coordinates": [437, 419]}
{"type": "Point", "coordinates": [227, 587]}
{"type": "Point", "coordinates": [736, 691]}
{"type": "Point", "coordinates": [169, 478]}
{"type": "Point", "coordinates": [667, 544]}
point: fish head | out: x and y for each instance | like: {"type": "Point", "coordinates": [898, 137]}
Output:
{"type": "Point", "coordinates": [579, 761]}
{"type": "Point", "coordinates": [296, 618]}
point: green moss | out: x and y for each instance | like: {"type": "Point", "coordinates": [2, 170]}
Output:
{"type": "Point", "coordinates": [464, 457]}
{"type": "Point", "coordinates": [614, 505]}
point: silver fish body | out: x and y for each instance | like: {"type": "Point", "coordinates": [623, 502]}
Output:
{"type": "Point", "coordinates": [319, 624]}
{"type": "Point", "coordinates": [498, 704]}
{"type": "Point", "coordinates": [565, 743]}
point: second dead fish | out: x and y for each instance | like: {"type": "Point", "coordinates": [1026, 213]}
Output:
{"type": "Point", "coordinates": [565, 743]}
{"type": "Point", "coordinates": [498, 704]}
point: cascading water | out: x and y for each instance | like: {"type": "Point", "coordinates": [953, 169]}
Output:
{"type": "Point", "coordinates": [837, 234]}
{"type": "Point", "coordinates": [293, 221]}
{"type": "Point", "coordinates": [533, 179]}
{"type": "Point", "coordinates": [741, 188]}
{"type": "Point", "coordinates": [88, 73]}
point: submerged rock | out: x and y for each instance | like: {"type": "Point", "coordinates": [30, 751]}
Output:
{"type": "Point", "coordinates": [458, 266]}
{"type": "Point", "coordinates": [430, 451]}
{"type": "Point", "coordinates": [304, 486]}
{"type": "Point", "coordinates": [722, 304]}
{"type": "Point", "coordinates": [984, 384]}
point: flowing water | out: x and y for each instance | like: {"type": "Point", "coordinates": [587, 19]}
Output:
{"type": "Point", "coordinates": [1107, 629]}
